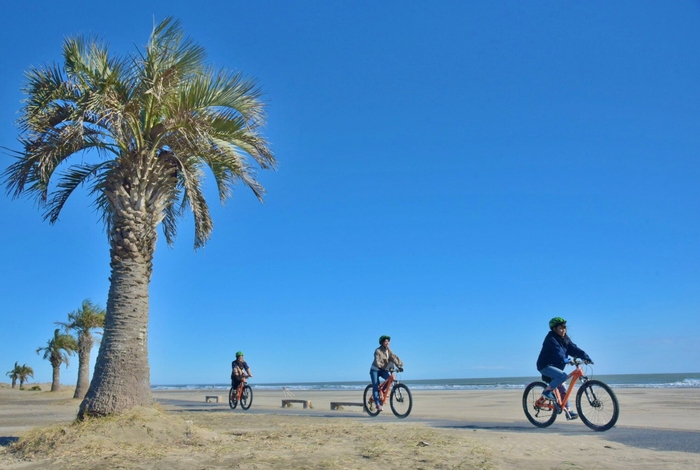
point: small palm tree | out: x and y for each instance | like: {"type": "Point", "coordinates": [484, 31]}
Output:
{"type": "Point", "coordinates": [14, 374]}
{"type": "Point", "coordinates": [87, 318]}
{"type": "Point", "coordinates": [56, 351]}
{"type": "Point", "coordinates": [140, 132]}
{"type": "Point", "coordinates": [24, 372]}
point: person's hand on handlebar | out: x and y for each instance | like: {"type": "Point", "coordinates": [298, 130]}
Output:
{"type": "Point", "coordinates": [400, 369]}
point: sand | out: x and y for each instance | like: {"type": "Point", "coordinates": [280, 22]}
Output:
{"type": "Point", "coordinates": [658, 428]}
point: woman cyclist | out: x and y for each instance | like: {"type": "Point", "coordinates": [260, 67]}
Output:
{"type": "Point", "coordinates": [383, 357]}
{"type": "Point", "coordinates": [556, 349]}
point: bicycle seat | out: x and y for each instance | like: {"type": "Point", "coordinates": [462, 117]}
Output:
{"type": "Point", "coordinates": [546, 379]}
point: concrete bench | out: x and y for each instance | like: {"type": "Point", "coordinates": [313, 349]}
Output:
{"type": "Point", "coordinates": [338, 405]}
{"type": "Point", "coordinates": [212, 397]}
{"type": "Point", "coordinates": [288, 403]}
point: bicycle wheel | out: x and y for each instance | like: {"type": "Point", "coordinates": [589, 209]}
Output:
{"type": "Point", "coordinates": [368, 402]}
{"type": "Point", "coordinates": [246, 397]}
{"type": "Point", "coordinates": [597, 405]}
{"type": "Point", "coordinates": [540, 416]}
{"type": "Point", "coordinates": [401, 401]}
{"type": "Point", "coordinates": [232, 398]}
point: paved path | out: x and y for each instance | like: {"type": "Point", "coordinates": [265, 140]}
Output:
{"type": "Point", "coordinates": [644, 438]}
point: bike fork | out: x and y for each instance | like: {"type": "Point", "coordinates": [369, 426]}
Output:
{"type": "Point", "coordinates": [591, 397]}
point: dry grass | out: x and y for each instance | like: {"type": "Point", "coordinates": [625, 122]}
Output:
{"type": "Point", "coordinates": [308, 442]}
{"type": "Point", "coordinates": [147, 438]}
{"type": "Point", "coordinates": [141, 434]}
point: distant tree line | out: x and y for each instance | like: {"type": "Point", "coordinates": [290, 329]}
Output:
{"type": "Point", "coordinates": [85, 322]}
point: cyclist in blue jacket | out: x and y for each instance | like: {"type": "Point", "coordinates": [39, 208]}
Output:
{"type": "Point", "coordinates": [556, 349]}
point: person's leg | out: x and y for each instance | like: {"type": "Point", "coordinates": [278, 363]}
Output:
{"type": "Point", "coordinates": [562, 392]}
{"type": "Point", "coordinates": [569, 414]}
{"type": "Point", "coordinates": [374, 375]}
{"type": "Point", "coordinates": [558, 376]}
{"type": "Point", "coordinates": [384, 375]}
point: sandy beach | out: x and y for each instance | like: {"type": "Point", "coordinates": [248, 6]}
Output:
{"type": "Point", "coordinates": [658, 428]}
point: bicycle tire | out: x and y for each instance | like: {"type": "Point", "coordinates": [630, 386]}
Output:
{"type": "Point", "coordinates": [232, 398]}
{"type": "Point", "coordinates": [597, 405]}
{"type": "Point", "coordinates": [540, 417]}
{"type": "Point", "coordinates": [401, 401]}
{"type": "Point", "coordinates": [246, 397]}
{"type": "Point", "coordinates": [368, 402]}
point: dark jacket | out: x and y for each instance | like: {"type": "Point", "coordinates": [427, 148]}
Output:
{"type": "Point", "coordinates": [556, 350]}
{"type": "Point", "coordinates": [237, 369]}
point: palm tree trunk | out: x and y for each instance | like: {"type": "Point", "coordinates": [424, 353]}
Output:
{"type": "Point", "coordinates": [122, 373]}
{"type": "Point", "coordinates": [85, 343]}
{"type": "Point", "coordinates": [14, 383]}
{"type": "Point", "coordinates": [56, 382]}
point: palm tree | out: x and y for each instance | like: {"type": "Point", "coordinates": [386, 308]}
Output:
{"type": "Point", "coordinates": [24, 372]}
{"type": "Point", "coordinates": [151, 123]}
{"type": "Point", "coordinates": [87, 318]}
{"type": "Point", "coordinates": [14, 374]}
{"type": "Point", "coordinates": [56, 351]}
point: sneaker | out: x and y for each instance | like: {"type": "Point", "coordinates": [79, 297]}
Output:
{"type": "Point", "coordinates": [571, 415]}
{"type": "Point", "coordinates": [548, 394]}
{"type": "Point", "coordinates": [379, 408]}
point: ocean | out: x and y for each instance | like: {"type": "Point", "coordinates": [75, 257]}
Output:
{"type": "Point", "coordinates": [688, 380]}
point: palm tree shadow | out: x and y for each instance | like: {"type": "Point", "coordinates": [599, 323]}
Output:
{"type": "Point", "coordinates": [7, 440]}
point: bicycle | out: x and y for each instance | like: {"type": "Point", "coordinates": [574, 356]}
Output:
{"type": "Point", "coordinates": [398, 395]}
{"type": "Point", "coordinates": [242, 394]}
{"type": "Point", "coordinates": [596, 403]}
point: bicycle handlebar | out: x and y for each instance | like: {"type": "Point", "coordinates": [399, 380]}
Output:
{"type": "Point", "coordinates": [576, 362]}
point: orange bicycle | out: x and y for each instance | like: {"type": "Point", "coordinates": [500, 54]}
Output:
{"type": "Point", "coordinates": [391, 390]}
{"type": "Point", "coordinates": [242, 394]}
{"type": "Point", "coordinates": [596, 403]}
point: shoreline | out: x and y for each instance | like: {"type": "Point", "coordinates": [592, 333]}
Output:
{"type": "Point", "coordinates": [669, 380]}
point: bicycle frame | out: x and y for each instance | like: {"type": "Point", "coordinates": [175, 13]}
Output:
{"type": "Point", "coordinates": [385, 388]}
{"type": "Point", "coordinates": [239, 390]}
{"type": "Point", "coordinates": [575, 375]}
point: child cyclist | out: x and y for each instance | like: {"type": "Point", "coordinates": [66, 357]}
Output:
{"type": "Point", "coordinates": [239, 370]}
{"type": "Point", "coordinates": [556, 349]}
{"type": "Point", "coordinates": [383, 357]}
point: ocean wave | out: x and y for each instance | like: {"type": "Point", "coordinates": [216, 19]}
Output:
{"type": "Point", "coordinates": [687, 383]}
{"type": "Point", "coordinates": [432, 385]}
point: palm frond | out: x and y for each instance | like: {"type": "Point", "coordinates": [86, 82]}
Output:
{"type": "Point", "coordinates": [153, 119]}
{"type": "Point", "coordinates": [75, 176]}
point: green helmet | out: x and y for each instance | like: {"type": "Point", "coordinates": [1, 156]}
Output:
{"type": "Point", "coordinates": [239, 354]}
{"type": "Point", "coordinates": [556, 321]}
{"type": "Point", "coordinates": [383, 337]}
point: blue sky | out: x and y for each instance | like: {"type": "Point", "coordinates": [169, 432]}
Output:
{"type": "Point", "coordinates": [452, 174]}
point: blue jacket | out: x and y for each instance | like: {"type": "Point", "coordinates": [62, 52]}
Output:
{"type": "Point", "coordinates": [556, 351]}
